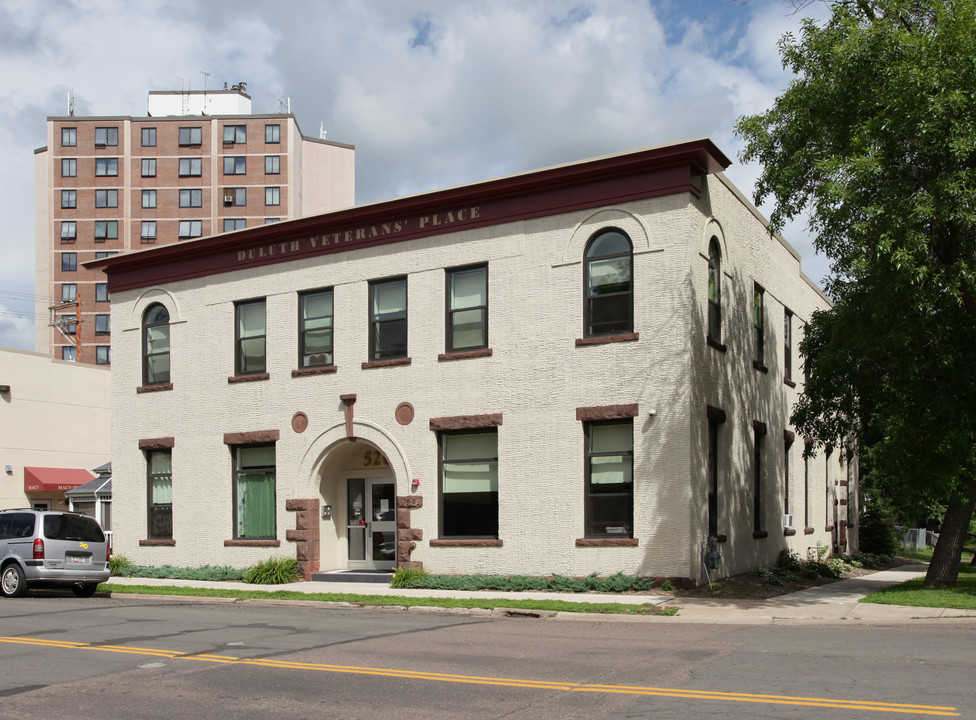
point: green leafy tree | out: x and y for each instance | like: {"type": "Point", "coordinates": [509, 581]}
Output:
{"type": "Point", "coordinates": [875, 139]}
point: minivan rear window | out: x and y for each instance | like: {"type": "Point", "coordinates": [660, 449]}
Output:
{"type": "Point", "coordinates": [72, 527]}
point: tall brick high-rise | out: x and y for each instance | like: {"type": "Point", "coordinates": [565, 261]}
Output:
{"type": "Point", "coordinates": [198, 164]}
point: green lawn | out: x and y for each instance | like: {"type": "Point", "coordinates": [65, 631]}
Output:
{"type": "Point", "coordinates": [911, 593]}
{"type": "Point", "coordinates": [395, 600]}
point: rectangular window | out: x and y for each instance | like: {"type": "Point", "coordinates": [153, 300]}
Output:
{"type": "Point", "coordinates": [160, 486]}
{"type": "Point", "coordinates": [254, 492]}
{"type": "Point", "coordinates": [191, 167]}
{"type": "Point", "coordinates": [757, 483]}
{"type": "Point", "coordinates": [315, 329]}
{"type": "Point", "coordinates": [69, 292]}
{"type": "Point", "coordinates": [149, 167]}
{"type": "Point", "coordinates": [191, 136]}
{"type": "Point", "coordinates": [69, 323]}
{"type": "Point", "coordinates": [69, 353]}
{"type": "Point", "coordinates": [235, 134]}
{"type": "Point", "coordinates": [231, 224]}
{"type": "Point", "coordinates": [191, 198]}
{"type": "Point", "coordinates": [106, 229]}
{"type": "Point", "coordinates": [272, 133]}
{"type": "Point", "coordinates": [272, 196]}
{"type": "Point", "coordinates": [69, 262]}
{"type": "Point", "coordinates": [106, 136]}
{"type": "Point", "coordinates": [251, 331]}
{"type": "Point", "coordinates": [149, 198]}
{"type": "Point", "coordinates": [469, 484]}
{"type": "Point", "coordinates": [103, 324]}
{"type": "Point", "coordinates": [806, 487]}
{"type": "Point", "coordinates": [69, 167]}
{"type": "Point", "coordinates": [272, 165]}
{"type": "Point", "coordinates": [609, 507]}
{"type": "Point", "coordinates": [388, 319]}
{"type": "Point", "coordinates": [69, 230]}
{"type": "Point", "coordinates": [190, 229]}
{"type": "Point", "coordinates": [106, 198]}
{"type": "Point", "coordinates": [103, 355]}
{"type": "Point", "coordinates": [105, 253]}
{"type": "Point", "coordinates": [69, 137]}
{"type": "Point", "coordinates": [713, 479]}
{"type": "Point", "coordinates": [149, 137]}
{"type": "Point", "coordinates": [101, 292]}
{"type": "Point", "coordinates": [235, 197]}
{"type": "Point", "coordinates": [148, 230]}
{"type": "Point", "coordinates": [788, 345]}
{"type": "Point", "coordinates": [235, 165]}
{"type": "Point", "coordinates": [69, 199]}
{"type": "Point", "coordinates": [786, 477]}
{"type": "Point", "coordinates": [271, 221]}
{"type": "Point", "coordinates": [758, 323]}
{"type": "Point", "coordinates": [467, 308]}
{"type": "Point", "coordinates": [106, 167]}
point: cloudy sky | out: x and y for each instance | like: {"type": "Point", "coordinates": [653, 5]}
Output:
{"type": "Point", "coordinates": [432, 93]}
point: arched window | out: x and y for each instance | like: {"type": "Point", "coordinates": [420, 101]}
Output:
{"type": "Point", "coordinates": [608, 284]}
{"type": "Point", "coordinates": [714, 291]}
{"type": "Point", "coordinates": [155, 345]}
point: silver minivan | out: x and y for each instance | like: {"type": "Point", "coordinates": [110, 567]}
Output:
{"type": "Point", "coordinates": [44, 548]}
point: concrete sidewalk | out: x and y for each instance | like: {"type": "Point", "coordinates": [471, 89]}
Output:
{"type": "Point", "coordinates": [837, 602]}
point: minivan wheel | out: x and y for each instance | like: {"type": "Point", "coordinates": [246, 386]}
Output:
{"type": "Point", "coordinates": [12, 581]}
{"type": "Point", "coordinates": [84, 590]}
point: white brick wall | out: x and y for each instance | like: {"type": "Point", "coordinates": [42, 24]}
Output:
{"type": "Point", "coordinates": [536, 378]}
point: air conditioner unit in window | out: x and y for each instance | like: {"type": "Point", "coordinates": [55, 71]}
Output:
{"type": "Point", "coordinates": [228, 198]}
{"type": "Point", "coordinates": [318, 359]}
{"type": "Point", "coordinates": [787, 521]}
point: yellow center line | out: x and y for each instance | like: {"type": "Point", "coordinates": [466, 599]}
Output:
{"type": "Point", "coordinates": [712, 695]}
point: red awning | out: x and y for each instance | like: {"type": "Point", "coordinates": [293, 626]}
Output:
{"type": "Point", "coordinates": [37, 479]}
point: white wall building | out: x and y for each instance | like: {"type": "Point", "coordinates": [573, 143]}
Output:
{"type": "Point", "coordinates": [55, 421]}
{"type": "Point", "coordinates": [586, 368]}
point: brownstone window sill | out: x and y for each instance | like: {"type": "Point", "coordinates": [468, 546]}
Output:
{"type": "Point", "coordinates": [760, 367]}
{"type": "Point", "coordinates": [787, 381]}
{"type": "Point", "coordinates": [324, 370]}
{"type": "Point", "coordinates": [157, 543]}
{"type": "Point", "coordinates": [486, 542]}
{"type": "Point", "coordinates": [249, 378]}
{"type": "Point", "coordinates": [605, 339]}
{"type": "Point", "coordinates": [153, 388]}
{"type": "Point", "coordinates": [252, 543]}
{"type": "Point", "coordinates": [720, 346]}
{"type": "Point", "coordinates": [829, 528]}
{"type": "Point", "coordinates": [607, 542]}
{"type": "Point", "coordinates": [808, 531]}
{"type": "Point", "coordinates": [464, 355]}
{"type": "Point", "coordinates": [789, 532]}
{"type": "Point", "coordinates": [386, 363]}
{"type": "Point", "coordinates": [760, 535]}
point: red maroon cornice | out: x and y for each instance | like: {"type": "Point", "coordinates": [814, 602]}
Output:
{"type": "Point", "coordinates": [652, 172]}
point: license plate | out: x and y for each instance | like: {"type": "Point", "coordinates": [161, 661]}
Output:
{"type": "Point", "coordinates": [78, 560]}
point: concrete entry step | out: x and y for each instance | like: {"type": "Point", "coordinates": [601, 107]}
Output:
{"type": "Point", "coordinates": [354, 576]}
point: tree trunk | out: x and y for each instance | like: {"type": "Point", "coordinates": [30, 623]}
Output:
{"type": "Point", "coordinates": [944, 567]}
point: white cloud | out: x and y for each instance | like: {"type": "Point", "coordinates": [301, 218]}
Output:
{"type": "Point", "coordinates": [431, 92]}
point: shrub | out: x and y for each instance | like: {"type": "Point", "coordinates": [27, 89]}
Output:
{"type": "Point", "coordinates": [788, 560]}
{"type": "Point", "coordinates": [404, 577]}
{"type": "Point", "coordinates": [119, 564]}
{"type": "Point", "coordinates": [667, 586]}
{"type": "Point", "coordinates": [206, 572]}
{"type": "Point", "coordinates": [618, 582]}
{"type": "Point", "coordinates": [877, 535]}
{"type": "Point", "coordinates": [273, 571]}
{"type": "Point", "coordinates": [769, 577]}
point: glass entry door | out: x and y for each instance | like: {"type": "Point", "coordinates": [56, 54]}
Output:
{"type": "Point", "coordinates": [371, 523]}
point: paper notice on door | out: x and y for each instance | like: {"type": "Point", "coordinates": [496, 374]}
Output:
{"type": "Point", "coordinates": [384, 505]}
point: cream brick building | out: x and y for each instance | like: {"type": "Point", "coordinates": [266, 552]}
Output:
{"type": "Point", "coordinates": [513, 376]}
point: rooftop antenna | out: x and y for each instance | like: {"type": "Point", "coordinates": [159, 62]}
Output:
{"type": "Point", "coordinates": [205, 76]}
{"type": "Point", "coordinates": [322, 130]}
{"type": "Point", "coordinates": [71, 103]}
